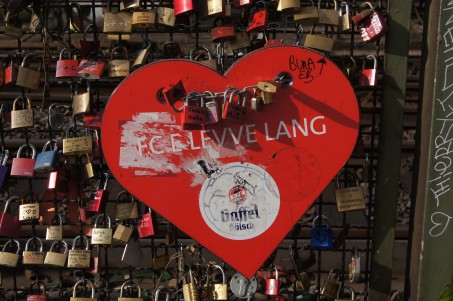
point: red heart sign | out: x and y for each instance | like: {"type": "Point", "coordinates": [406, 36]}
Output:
{"type": "Point", "coordinates": [235, 188]}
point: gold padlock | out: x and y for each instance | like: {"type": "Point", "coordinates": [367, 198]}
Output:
{"type": "Point", "coordinates": [129, 5]}
{"type": "Point", "coordinates": [27, 77]}
{"type": "Point", "coordinates": [102, 236]}
{"type": "Point", "coordinates": [331, 284]}
{"type": "Point", "coordinates": [123, 233]}
{"type": "Point", "coordinates": [21, 119]}
{"type": "Point", "coordinates": [201, 49]}
{"type": "Point", "coordinates": [306, 14]}
{"type": "Point", "coordinates": [83, 282]}
{"type": "Point", "coordinates": [345, 24]}
{"type": "Point", "coordinates": [10, 259]}
{"type": "Point", "coordinates": [33, 257]}
{"type": "Point", "coordinates": [57, 258]}
{"type": "Point", "coordinates": [349, 198]}
{"type": "Point", "coordinates": [318, 42]}
{"type": "Point", "coordinates": [189, 289]}
{"type": "Point", "coordinates": [329, 17]}
{"type": "Point", "coordinates": [126, 209]}
{"type": "Point", "coordinates": [211, 8]}
{"type": "Point", "coordinates": [161, 261]}
{"type": "Point", "coordinates": [131, 284]}
{"type": "Point", "coordinates": [165, 16]}
{"type": "Point", "coordinates": [119, 67]}
{"type": "Point", "coordinates": [217, 291]}
{"type": "Point", "coordinates": [118, 22]}
{"type": "Point", "coordinates": [77, 145]}
{"type": "Point", "coordinates": [288, 5]}
{"type": "Point", "coordinates": [81, 101]}
{"type": "Point", "coordinates": [143, 18]}
{"type": "Point", "coordinates": [55, 232]}
{"type": "Point", "coordinates": [29, 211]}
{"type": "Point", "coordinates": [79, 258]}
{"type": "Point", "coordinates": [75, 17]}
{"type": "Point", "coordinates": [87, 167]}
{"type": "Point", "coordinates": [143, 55]}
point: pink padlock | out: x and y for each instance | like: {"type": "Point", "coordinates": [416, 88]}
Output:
{"type": "Point", "coordinates": [213, 109]}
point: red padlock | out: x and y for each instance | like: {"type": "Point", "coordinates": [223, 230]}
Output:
{"type": "Point", "coordinates": [100, 196]}
{"type": "Point", "coordinates": [172, 93]}
{"type": "Point", "coordinates": [88, 47]}
{"type": "Point", "coordinates": [259, 18]}
{"type": "Point", "coordinates": [38, 297]}
{"type": "Point", "coordinates": [193, 116]}
{"type": "Point", "coordinates": [358, 18]}
{"type": "Point", "coordinates": [91, 69]}
{"type": "Point", "coordinates": [24, 167]}
{"type": "Point", "coordinates": [222, 30]}
{"type": "Point", "coordinates": [66, 67]}
{"type": "Point", "coordinates": [374, 27]}
{"type": "Point", "coordinates": [241, 3]}
{"type": "Point", "coordinates": [10, 225]}
{"type": "Point", "coordinates": [183, 7]}
{"type": "Point", "coordinates": [93, 121]}
{"type": "Point", "coordinates": [11, 73]}
{"type": "Point", "coordinates": [272, 284]}
{"type": "Point", "coordinates": [146, 224]}
{"type": "Point", "coordinates": [234, 111]}
{"type": "Point", "coordinates": [368, 77]}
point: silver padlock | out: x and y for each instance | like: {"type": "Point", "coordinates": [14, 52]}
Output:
{"type": "Point", "coordinates": [243, 287]}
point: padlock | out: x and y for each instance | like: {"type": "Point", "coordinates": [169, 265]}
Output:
{"type": "Point", "coordinates": [259, 16]}
{"type": "Point", "coordinates": [352, 293]}
{"type": "Point", "coordinates": [10, 259]}
{"type": "Point", "coordinates": [33, 257]}
{"type": "Point", "coordinates": [22, 119]}
{"type": "Point", "coordinates": [66, 68]}
{"type": "Point", "coordinates": [222, 30]}
{"type": "Point", "coordinates": [100, 196]}
{"type": "Point", "coordinates": [184, 7]}
{"type": "Point", "coordinates": [83, 282]}
{"type": "Point", "coordinates": [193, 116]}
{"type": "Point", "coordinates": [365, 13]}
{"type": "Point", "coordinates": [11, 73]}
{"type": "Point", "coordinates": [47, 160]}
{"type": "Point", "coordinates": [243, 287]}
{"type": "Point", "coordinates": [217, 291]}
{"type": "Point", "coordinates": [93, 121]}
{"type": "Point", "coordinates": [196, 52]}
{"type": "Point", "coordinates": [29, 211]}
{"type": "Point", "coordinates": [117, 22]}
{"type": "Point", "coordinates": [331, 284]}
{"type": "Point", "coordinates": [55, 231]}
{"type": "Point", "coordinates": [127, 209]}
{"type": "Point", "coordinates": [146, 224]}
{"type": "Point", "coordinates": [241, 3]}
{"type": "Point", "coordinates": [130, 283]}
{"type": "Point", "coordinates": [102, 236]}
{"type": "Point", "coordinates": [119, 67]}
{"type": "Point", "coordinates": [158, 290]}
{"type": "Point", "coordinates": [354, 267]}
{"type": "Point", "coordinates": [161, 261]}
{"type": "Point", "coordinates": [56, 116]}
{"type": "Point", "coordinates": [13, 28]}
{"type": "Point", "coordinates": [351, 196]}
{"type": "Point", "coordinates": [86, 167]}
{"type": "Point", "coordinates": [288, 5]}
{"type": "Point", "coordinates": [306, 14]}
{"type": "Point", "coordinates": [345, 24]}
{"type": "Point", "coordinates": [272, 284]}
{"type": "Point", "coordinates": [329, 17]}
{"type": "Point", "coordinates": [79, 258]}
{"type": "Point", "coordinates": [189, 289]}
{"type": "Point", "coordinates": [27, 77]}
{"type": "Point", "coordinates": [165, 16]}
{"type": "Point", "coordinates": [211, 9]}
{"type": "Point", "coordinates": [256, 102]}
{"type": "Point", "coordinates": [143, 55]}
{"type": "Point", "coordinates": [318, 42]}
{"type": "Point", "coordinates": [213, 110]}
{"type": "Point", "coordinates": [24, 167]}
{"type": "Point", "coordinates": [234, 111]}
{"type": "Point", "coordinates": [10, 225]}
{"type": "Point", "coordinates": [349, 68]}
{"type": "Point", "coordinates": [91, 69]}
{"type": "Point", "coordinates": [143, 18]}
{"type": "Point", "coordinates": [307, 258]}
{"type": "Point", "coordinates": [40, 296]}
{"type": "Point", "coordinates": [268, 86]}
{"type": "Point", "coordinates": [57, 258]}
{"type": "Point", "coordinates": [123, 232]}
{"type": "Point", "coordinates": [3, 167]}
{"type": "Point", "coordinates": [77, 145]}
{"type": "Point", "coordinates": [127, 5]}
{"type": "Point", "coordinates": [174, 92]}
{"type": "Point", "coordinates": [241, 40]}
{"type": "Point", "coordinates": [368, 77]}
{"type": "Point", "coordinates": [89, 47]}
{"type": "Point", "coordinates": [81, 102]}
{"type": "Point", "coordinates": [373, 27]}
{"type": "Point", "coordinates": [75, 17]}
{"type": "Point", "coordinates": [321, 237]}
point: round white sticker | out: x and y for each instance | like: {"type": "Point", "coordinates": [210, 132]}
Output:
{"type": "Point", "coordinates": [239, 201]}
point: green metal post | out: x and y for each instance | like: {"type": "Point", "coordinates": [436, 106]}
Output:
{"type": "Point", "coordinates": [389, 152]}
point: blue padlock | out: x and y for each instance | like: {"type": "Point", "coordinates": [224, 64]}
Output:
{"type": "Point", "coordinates": [321, 237]}
{"type": "Point", "coordinates": [47, 160]}
{"type": "Point", "coordinates": [3, 167]}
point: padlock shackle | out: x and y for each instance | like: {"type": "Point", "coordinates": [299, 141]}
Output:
{"type": "Point", "coordinates": [55, 243]}
{"type": "Point", "coordinates": [41, 284]}
{"type": "Point", "coordinates": [55, 145]}
{"type": "Point", "coordinates": [21, 98]}
{"type": "Point", "coordinates": [31, 56]}
{"type": "Point", "coordinates": [216, 267]}
{"type": "Point", "coordinates": [349, 288]}
{"type": "Point", "coordinates": [346, 172]}
{"type": "Point", "coordinates": [346, 6]}
{"type": "Point", "coordinates": [226, 93]}
{"type": "Point", "coordinates": [372, 57]}
{"type": "Point", "coordinates": [105, 216]}
{"type": "Point", "coordinates": [192, 95]}
{"type": "Point", "coordinates": [66, 50]}
{"type": "Point", "coordinates": [323, 217]}
{"type": "Point", "coordinates": [365, 4]}
{"type": "Point", "coordinates": [33, 239]}
{"type": "Point", "coordinates": [11, 241]}
{"type": "Point", "coordinates": [131, 283]}
{"type": "Point", "coordinates": [334, 2]}
{"type": "Point", "coordinates": [118, 49]}
{"type": "Point", "coordinates": [167, 293]}
{"type": "Point", "coordinates": [199, 47]}
{"type": "Point", "coordinates": [84, 282]}
{"type": "Point", "coordinates": [11, 199]}
{"type": "Point", "coordinates": [85, 239]}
